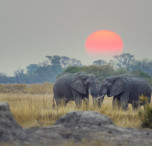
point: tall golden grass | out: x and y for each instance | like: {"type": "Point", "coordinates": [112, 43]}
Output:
{"type": "Point", "coordinates": [31, 106]}
{"type": "Point", "coordinates": [45, 88]}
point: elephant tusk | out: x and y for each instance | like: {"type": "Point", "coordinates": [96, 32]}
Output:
{"type": "Point", "coordinates": [101, 97]}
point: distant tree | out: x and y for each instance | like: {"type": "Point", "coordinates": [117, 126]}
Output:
{"type": "Point", "coordinates": [144, 65]}
{"type": "Point", "coordinates": [48, 70]}
{"type": "Point", "coordinates": [31, 68]}
{"type": "Point", "coordinates": [99, 62]}
{"type": "Point", "coordinates": [63, 61]}
{"type": "Point", "coordinates": [66, 61]}
{"type": "Point", "coordinates": [20, 76]}
{"type": "Point", "coordinates": [5, 79]}
{"type": "Point", "coordinates": [125, 60]}
{"type": "Point", "coordinates": [54, 60]}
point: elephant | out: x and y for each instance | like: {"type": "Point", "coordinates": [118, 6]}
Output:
{"type": "Point", "coordinates": [125, 89]}
{"type": "Point", "coordinates": [75, 87]}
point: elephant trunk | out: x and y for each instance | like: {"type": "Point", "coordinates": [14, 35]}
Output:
{"type": "Point", "coordinates": [94, 90]}
{"type": "Point", "coordinates": [100, 100]}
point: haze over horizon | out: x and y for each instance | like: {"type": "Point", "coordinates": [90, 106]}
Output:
{"type": "Point", "coordinates": [33, 29]}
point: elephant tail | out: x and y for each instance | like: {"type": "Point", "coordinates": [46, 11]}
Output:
{"type": "Point", "coordinates": [53, 105]}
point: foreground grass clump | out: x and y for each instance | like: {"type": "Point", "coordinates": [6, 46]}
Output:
{"type": "Point", "coordinates": [32, 110]}
{"type": "Point", "coordinates": [146, 117]}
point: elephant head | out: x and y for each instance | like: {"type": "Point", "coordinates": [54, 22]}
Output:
{"type": "Point", "coordinates": [85, 83]}
{"type": "Point", "coordinates": [112, 86]}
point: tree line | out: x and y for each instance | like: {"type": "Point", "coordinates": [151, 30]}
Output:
{"type": "Point", "coordinates": [49, 70]}
{"type": "Point", "coordinates": [45, 71]}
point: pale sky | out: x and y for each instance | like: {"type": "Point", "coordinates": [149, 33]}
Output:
{"type": "Point", "coordinates": [33, 29]}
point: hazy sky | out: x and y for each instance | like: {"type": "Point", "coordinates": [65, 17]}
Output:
{"type": "Point", "coordinates": [32, 29]}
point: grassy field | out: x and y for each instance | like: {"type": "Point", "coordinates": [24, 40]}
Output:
{"type": "Point", "coordinates": [31, 106]}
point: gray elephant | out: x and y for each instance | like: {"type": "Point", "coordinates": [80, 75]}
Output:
{"type": "Point", "coordinates": [75, 87]}
{"type": "Point", "coordinates": [125, 89]}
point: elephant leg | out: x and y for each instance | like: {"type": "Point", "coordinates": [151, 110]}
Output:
{"type": "Point", "coordinates": [77, 98]}
{"type": "Point", "coordinates": [97, 101]}
{"type": "Point", "coordinates": [78, 102]}
{"type": "Point", "coordinates": [116, 102]}
{"type": "Point", "coordinates": [61, 101]}
{"type": "Point", "coordinates": [58, 102]}
{"type": "Point", "coordinates": [94, 100]}
{"type": "Point", "coordinates": [86, 101]}
{"type": "Point", "coordinates": [58, 99]}
{"type": "Point", "coordinates": [135, 105]}
{"type": "Point", "coordinates": [100, 101]}
{"type": "Point", "coordinates": [124, 98]}
{"type": "Point", "coordinates": [66, 101]}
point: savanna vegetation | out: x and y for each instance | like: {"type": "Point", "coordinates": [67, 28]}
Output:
{"type": "Point", "coordinates": [48, 70]}
{"type": "Point", "coordinates": [31, 106]}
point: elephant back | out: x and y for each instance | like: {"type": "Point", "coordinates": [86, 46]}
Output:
{"type": "Point", "coordinates": [62, 81]}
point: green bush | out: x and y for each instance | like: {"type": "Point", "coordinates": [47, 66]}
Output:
{"type": "Point", "coordinates": [101, 72]}
{"type": "Point", "coordinates": [141, 74]}
{"type": "Point", "coordinates": [146, 117]}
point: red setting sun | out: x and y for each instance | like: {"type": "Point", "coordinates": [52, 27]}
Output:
{"type": "Point", "coordinates": [104, 42]}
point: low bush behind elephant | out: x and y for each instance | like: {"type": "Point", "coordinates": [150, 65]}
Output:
{"type": "Point", "coordinates": [75, 87]}
{"type": "Point", "coordinates": [125, 89]}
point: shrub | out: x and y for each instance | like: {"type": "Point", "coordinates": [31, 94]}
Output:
{"type": "Point", "coordinates": [101, 72]}
{"type": "Point", "coordinates": [146, 117]}
{"type": "Point", "coordinates": [143, 100]}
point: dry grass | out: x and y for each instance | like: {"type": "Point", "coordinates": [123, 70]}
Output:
{"type": "Point", "coordinates": [45, 88]}
{"type": "Point", "coordinates": [31, 109]}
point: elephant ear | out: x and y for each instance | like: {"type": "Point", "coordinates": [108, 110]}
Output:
{"type": "Point", "coordinates": [118, 87]}
{"type": "Point", "coordinates": [78, 85]}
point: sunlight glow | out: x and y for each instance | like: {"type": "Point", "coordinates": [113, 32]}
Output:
{"type": "Point", "coordinates": [104, 42]}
